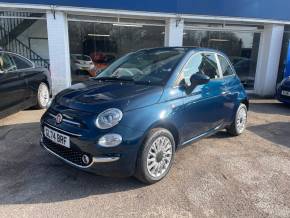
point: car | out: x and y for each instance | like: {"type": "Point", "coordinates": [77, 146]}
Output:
{"type": "Point", "coordinates": [82, 63]}
{"type": "Point", "coordinates": [22, 84]}
{"type": "Point", "coordinates": [283, 91]}
{"type": "Point", "coordinates": [132, 117]}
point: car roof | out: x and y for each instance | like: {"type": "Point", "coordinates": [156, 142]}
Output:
{"type": "Point", "coordinates": [186, 49]}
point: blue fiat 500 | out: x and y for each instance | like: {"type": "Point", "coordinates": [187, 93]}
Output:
{"type": "Point", "coordinates": [131, 118]}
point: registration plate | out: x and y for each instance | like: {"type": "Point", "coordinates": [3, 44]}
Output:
{"type": "Point", "coordinates": [286, 93]}
{"type": "Point", "coordinates": [57, 137]}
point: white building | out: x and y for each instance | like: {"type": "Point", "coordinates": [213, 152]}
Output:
{"type": "Point", "coordinates": [252, 35]}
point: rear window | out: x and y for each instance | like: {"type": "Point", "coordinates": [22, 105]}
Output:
{"type": "Point", "coordinates": [82, 57]}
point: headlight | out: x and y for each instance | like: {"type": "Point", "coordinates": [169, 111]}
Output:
{"type": "Point", "coordinates": [109, 118]}
{"type": "Point", "coordinates": [110, 140]}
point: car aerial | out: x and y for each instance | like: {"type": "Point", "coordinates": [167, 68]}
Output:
{"type": "Point", "coordinates": [22, 85]}
{"type": "Point", "coordinates": [82, 64]}
{"type": "Point", "coordinates": [131, 118]}
{"type": "Point", "coordinates": [283, 91]}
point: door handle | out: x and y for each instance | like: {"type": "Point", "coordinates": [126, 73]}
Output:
{"type": "Point", "coordinates": [225, 92]}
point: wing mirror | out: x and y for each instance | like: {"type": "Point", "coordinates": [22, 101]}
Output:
{"type": "Point", "coordinates": [199, 79]}
{"type": "Point", "coordinates": [195, 80]}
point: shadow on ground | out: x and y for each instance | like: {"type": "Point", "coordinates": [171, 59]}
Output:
{"type": "Point", "coordinates": [30, 175]}
{"type": "Point", "coordinates": [276, 132]}
{"type": "Point", "coordinates": [270, 108]}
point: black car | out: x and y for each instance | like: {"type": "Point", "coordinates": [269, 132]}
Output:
{"type": "Point", "coordinates": [22, 85]}
{"type": "Point", "coordinates": [283, 91]}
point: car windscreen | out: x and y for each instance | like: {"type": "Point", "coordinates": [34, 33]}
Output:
{"type": "Point", "coordinates": [151, 66]}
{"type": "Point", "coordinates": [82, 57]}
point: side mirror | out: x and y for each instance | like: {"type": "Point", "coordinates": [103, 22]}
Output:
{"type": "Point", "coordinates": [199, 79]}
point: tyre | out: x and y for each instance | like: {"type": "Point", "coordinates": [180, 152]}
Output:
{"type": "Point", "coordinates": [156, 156]}
{"type": "Point", "coordinates": [239, 124]}
{"type": "Point", "coordinates": [42, 96]}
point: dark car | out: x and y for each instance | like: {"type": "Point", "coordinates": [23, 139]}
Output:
{"type": "Point", "coordinates": [131, 118]}
{"type": "Point", "coordinates": [283, 91]}
{"type": "Point", "coordinates": [22, 85]}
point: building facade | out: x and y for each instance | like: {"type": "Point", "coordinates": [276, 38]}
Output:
{"type": "Point", "coordinates": [76, 39]}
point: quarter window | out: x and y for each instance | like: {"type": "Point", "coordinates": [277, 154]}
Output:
{"type": "Point", "coordinates": [225, 66]}
{"type": "Point", "coordinates": [21, 63]}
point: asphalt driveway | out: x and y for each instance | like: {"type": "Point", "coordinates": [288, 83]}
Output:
{"type": "Point", "coordinates": [222, 176]}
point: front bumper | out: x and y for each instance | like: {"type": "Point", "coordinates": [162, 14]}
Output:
{"type": "Point", "coordinates": [118, 161]}
{"type": "Point", "coordinates": [282, 98]}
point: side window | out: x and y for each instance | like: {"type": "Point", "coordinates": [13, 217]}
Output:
{"type": "Point", "coordinates": [226, 67]}
{"type": "Point", "coordinates": [21, 63]}
{"type": "Point", "coordinates": [209, 66]}
{"type": "Point", "coordinates": [191, 67]}
{"type": "Point", "coordinates": [6, 63]}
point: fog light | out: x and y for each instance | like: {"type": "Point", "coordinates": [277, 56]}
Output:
{"type": "Point", "coordinates": [110, 140]}
{"type": "Point", "coordinates": [86, 159]}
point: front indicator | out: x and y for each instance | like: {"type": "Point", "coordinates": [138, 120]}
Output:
{"type": "Point", "coordinates": [110, 140]}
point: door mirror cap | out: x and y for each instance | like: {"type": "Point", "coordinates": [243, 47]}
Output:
{"type": "Point", "coordinates": [199, 79]}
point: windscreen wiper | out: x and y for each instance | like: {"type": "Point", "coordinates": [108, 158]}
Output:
{"type": "Point", "coordinates": [126, 79]}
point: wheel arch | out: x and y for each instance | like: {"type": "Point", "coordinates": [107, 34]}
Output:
{"type": "Point", "coordinates": [246, 102]}
{"type": "Point", "coordinates": [168, 126]}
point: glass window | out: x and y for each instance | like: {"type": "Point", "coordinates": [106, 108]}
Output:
{"type": "Point", "coordinates": [226, 67]}
{"type": "Point", "coordinates": [200, 63]}
{"type": "Point", "coordinates": [106, 42]}
{"type": "Point", "coordinates": [240, 46]}
{"type": "Point", "coordinates": [24, 36]}
{"type": "Point", "coordinates": [209, 66]}
{"type": "Point", "coordinates": [148, 66]}
{"type": "Point", "coordinates": [6, 63]}
{"type": "Point", "coordinates": [21, 63]}
{"type": "Point", "coordinates": [191, 67]}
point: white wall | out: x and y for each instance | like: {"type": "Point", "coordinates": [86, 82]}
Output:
{"type": "Point", "coordinates": [268, 60]}
{"type": "Point", "coordinates": [59, 54]}
{"type": "Point", "coordinates": [174, 32]}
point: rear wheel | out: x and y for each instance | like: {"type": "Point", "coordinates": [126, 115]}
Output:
{"type": "Point", "coordinates": [156, 156]}
{"type": "Point", "coordinates": [42, 96]}
{"type": "Point", "coordinates": [239, 124]}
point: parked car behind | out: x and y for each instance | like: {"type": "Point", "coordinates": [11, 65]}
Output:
{"type": "Point", "coordinates": [131, 118]}
{"type": "Point", "coordinates": [22, 85]}
{"type": "Point", "coordinates": [82, 63]}
{"type": "Point", "coordinates": [283, 91]}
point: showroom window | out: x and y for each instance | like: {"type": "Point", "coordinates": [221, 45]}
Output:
{"type": "Point", "coordinates": [25, 33]}
{"type": "Point", "coordinates": [95, 42]}
{"type": "Point", "coordinates": [239, 43]}
{"type": "Point", "coordinates": [284, 54]}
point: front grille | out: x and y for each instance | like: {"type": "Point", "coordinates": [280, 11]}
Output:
{"type": "Point", "coordinates": [69, 154]}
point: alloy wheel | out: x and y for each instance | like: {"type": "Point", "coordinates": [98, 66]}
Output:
{"type": "Point", "coordinates": [159, 156]}
{"type": "Point", "coordinates": [43, 95]}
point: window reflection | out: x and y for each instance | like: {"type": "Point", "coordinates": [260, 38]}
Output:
{"type": "Point", "coordinates": [103, 43]}
{"type": "Point", "coordinates": [241, 47]}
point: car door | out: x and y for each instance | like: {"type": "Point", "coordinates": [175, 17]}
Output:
{"type": "Point", "coordinates": [27, 74]}
{"type": "Point", "coordinates": [203, 106]}
{"type": "Point", "coordinates": [11, 85]}
{"type": "Point", "coordinates": [230, 86]}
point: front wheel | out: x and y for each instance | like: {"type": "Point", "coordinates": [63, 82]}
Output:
{"type": "Point", "coordinates": [42, 96]}
{"type": "Point", "coordinates": [156, 157]}
{"type": "Point", "coordinates": [239, 124]}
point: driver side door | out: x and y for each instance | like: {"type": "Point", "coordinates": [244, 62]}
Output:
{"type": "Point", "coordinates": [203, 106]}
{"type": "Point", "coordinates": [11, 85]}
